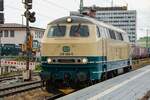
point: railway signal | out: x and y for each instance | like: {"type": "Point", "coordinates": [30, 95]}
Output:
{"type": "Point", "coordinates": [28, 4]}
{"type": "Point", "coordinates": [28, 1]}
{"type": "Point", "coordinates": [1, 5]}
{"type": "Point", "coordinates": [30, 17]}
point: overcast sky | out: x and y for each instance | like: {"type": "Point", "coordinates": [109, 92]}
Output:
{"type": "Point", "coordinates": [48, 10]}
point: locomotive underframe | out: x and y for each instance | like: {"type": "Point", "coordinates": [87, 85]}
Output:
{"type": "Point", "coordinates": [73, 74]}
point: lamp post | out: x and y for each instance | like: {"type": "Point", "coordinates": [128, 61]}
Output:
{"type": "Point", "coordinates": [147, 39]}
{"type": "Point", "coordinates": [81, 6]}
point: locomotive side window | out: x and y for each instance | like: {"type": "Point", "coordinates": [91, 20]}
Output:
{"type": "Point", "coordinates": [112, 34]}
{"type": "Point", "coordinates": [119, 35]}
{"type": "Point", "coordinates": [79, 31]}
{"type": "Point", "coordinates": [107, 35]}
{"type": "Point", "coordinates": [98, 32]}
{"type": "Point", "coordinates": [1, 33]}
{"type": "Point", "coordinates": [57, 31]}
{"type": "Point", "coordinates": [102, 31]}
{"type": "Point", "coordinates": [106, 32]}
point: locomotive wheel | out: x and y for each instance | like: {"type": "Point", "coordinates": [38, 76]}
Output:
{"type": "Point", "coordinates": [90, 83]}
{"type": "Point", "coordinates": [127, 69]}
{"type": "Point", "coordinates": [104, 76]}
{"type": "Point", "coordinates": [111, 74]}
{"type": "Point", "coordinates": [115, 73]}
{"type": "Point", "coordinates": [74, 84]}
{"type": "Point", "coordinates": [83, 84]}
{"type": "Point", "coordinates": [49, 86]}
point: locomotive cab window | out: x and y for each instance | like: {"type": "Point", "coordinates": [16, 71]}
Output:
{"type": "Point", "coordinates": [79, 31]}
{"type": "Point", "coordinates": [57, 31]}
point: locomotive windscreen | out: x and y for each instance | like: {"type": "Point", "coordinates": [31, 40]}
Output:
{"type": "Point", "coordinates": [56, 31]}
{"type": "Point", "coordinates": [74, 31]}
{"type": "Point", "coordinates": [79, 31]}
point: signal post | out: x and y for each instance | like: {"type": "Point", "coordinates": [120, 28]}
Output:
{"type": "Point", "coordinates": [30, 17]}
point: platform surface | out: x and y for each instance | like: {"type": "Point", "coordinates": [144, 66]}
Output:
{"type": "Point", "coordinates": [129, 86]}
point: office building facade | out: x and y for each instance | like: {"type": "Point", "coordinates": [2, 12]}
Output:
{"type": "Point", "coordinates": [120, 17]}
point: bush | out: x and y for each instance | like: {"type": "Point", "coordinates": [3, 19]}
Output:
{"type": "Point", "coordinates": [38, 68]}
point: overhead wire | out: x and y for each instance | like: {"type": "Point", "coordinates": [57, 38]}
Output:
{"type": "Point", "coordinates": [41, 14]}
{"type": "Point", "coordinates": [46, 5]}
{"type": "Point", "coordinates": [21, 10]}
{"type": "Point", "coordinates": [54, 4]}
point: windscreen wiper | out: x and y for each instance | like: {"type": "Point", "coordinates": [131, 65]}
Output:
{"type": "Point", "coordinates": [78, 28]}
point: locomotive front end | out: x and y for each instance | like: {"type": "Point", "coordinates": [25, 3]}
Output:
{"type": "Point", "coordinates": [69, 52]}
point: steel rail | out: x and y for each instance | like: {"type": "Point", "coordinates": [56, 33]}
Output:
{"type": "Point", "coordinates": [19, 88]}
{"type": "Point", "coordinates": [55, 96]}
{"type": "Point", "coordinates": [13, 77]}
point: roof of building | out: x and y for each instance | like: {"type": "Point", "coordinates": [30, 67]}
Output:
{"type": "Point", "coordinates": [107, 8]}
{"type": "Point", "coordinates": [15, 25]}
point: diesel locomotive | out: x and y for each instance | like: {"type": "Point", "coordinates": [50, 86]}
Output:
{"type": "Point", "coordinates": [80, 49]}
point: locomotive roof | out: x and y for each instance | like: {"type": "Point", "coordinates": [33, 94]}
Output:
{"type": "Point", "coordinates": [85, 19]}
{"type": "Point", "coordinates": [75, 19]}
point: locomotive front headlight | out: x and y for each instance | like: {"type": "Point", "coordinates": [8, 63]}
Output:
{"type": "Point", "coordinates": [69, 20]}
{"type": "Point", "coordinates": [49, 60]}
{"type": "Point", "coordinates": [85, 60]}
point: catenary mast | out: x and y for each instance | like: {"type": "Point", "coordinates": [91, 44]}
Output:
{"type": "Point", "coordinates": [81, 6]}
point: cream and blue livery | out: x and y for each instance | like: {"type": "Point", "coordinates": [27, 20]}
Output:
{"type": "Point", "coordinates": [79, 49]}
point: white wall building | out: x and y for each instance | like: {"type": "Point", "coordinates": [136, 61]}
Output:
{"type": "Point", "coordinates": [12, 33]}
{"type": "Point", "coordinates": [119, 17]}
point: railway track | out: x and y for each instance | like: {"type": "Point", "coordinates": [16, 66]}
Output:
{"type": "Point", "coordinates": [55, 96]}
{"type": "Point", "coordinates": [11, 90]}
{"type": "Point", "coordinates": [14, 76]}
{"type": "Point", "coordinates": [9, 77]}
{"type": "Point", "coordinates": [19, 88]}
{"type": "Point", "coordinates": [24, 87]}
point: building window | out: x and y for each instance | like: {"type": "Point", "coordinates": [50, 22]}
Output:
{"type": "Point", "coordinates": [12, 33]}
{"type": "Point", "coordinates": [132, 21]}
{"type": "Point", "coordinates": [132, 28]}
{"type": "Point", "coordinates": [1, 33]}
{"type": "Point", "coordinates": [6, 33]}
{"type": "Point", "coordinates": [39, 35]}
{"type": "Point", "coordinates": [36, 34]}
